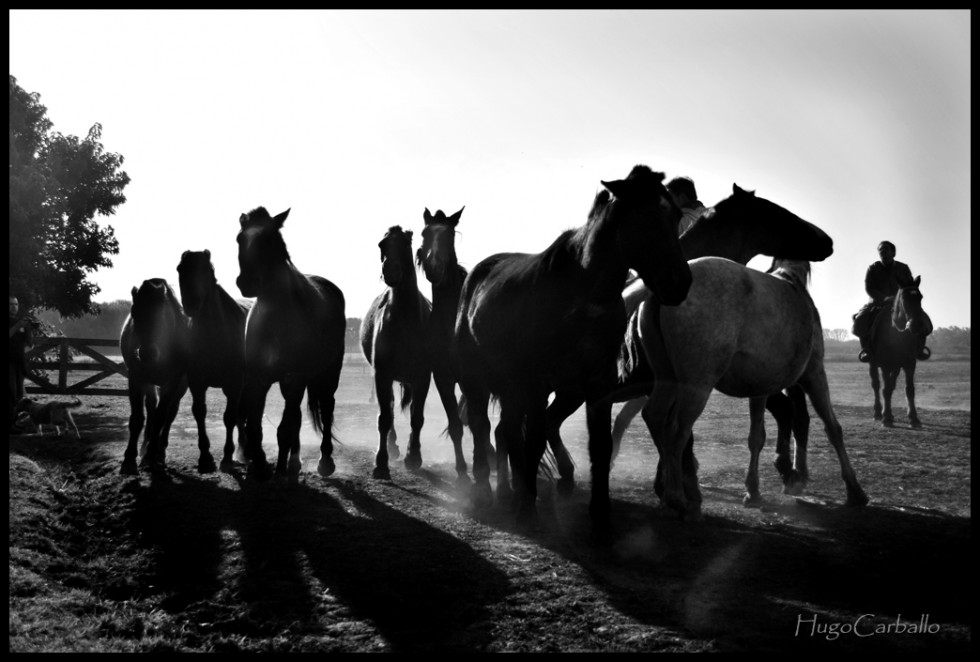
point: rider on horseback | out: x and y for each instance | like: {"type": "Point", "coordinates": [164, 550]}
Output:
{"type": "Point", "coordinates": [882, 281]}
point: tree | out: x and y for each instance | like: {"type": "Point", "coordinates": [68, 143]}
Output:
{"type": "Point", "coordinates": [58, 184]}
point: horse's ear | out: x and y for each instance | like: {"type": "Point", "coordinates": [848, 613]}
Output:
{"type": "Point", "coordinates": [918, 279]}
{"type": "Point", "coordinates": [737, 190]}
{"type": "Point", "coordinates": [207, 253]}
{"type": "Point", "coordinates": [408, 236]}
{"type": "Point", "coordinates": [617, 188]}
{"type": "Point", "coordinates": [426, 216]}
{"type": "Point", "coordinates": [243, 219]}
{"type": "Point", "coordinates": [281, 218]}
{"type": "Point", "coordinates": [454, 219]}
{"type": "Point", "coordinates": [134, 292]}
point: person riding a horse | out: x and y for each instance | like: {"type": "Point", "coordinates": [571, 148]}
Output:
{"type": "Point", "coordinates": [881, 281]}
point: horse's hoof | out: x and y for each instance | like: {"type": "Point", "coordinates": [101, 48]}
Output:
{"type": "Point", "coordinates": [752, 501]}
{"type": "Point", "coordinates": [877, 416]}
{"type": "Point", "coordinates": [206, 465]}
{"type": "Point", "coordinates": [794, 486]}
{"type": "Point", "coordinates": [463, 480]}
{"type": "Point", "coordinates": [857, 499]}
{"type": "Point", "coordinates": [228, 466]}
{"type": "Point", "coordinates": [482, 495]}
{"type": "Point", "coordinates": [693, 513]}
{"type": "Point", "coordinates": [393, 451]}
{"type": "Point", "coordinates": [565, 486]}
{"type": "Point", "coordinates": [326, 466]}
{"type": "Point", "coordinates": [413, 460]}
{"type": "Point", "coordinates": [888, 423]}
{"type": "Point", "coordinates": [381, 473]}
{"type": "Point", "coordinates": [916, 423]}
{"type": "Point", "coordinates": [505, 496]}
{"type": "Point", "coordinates": [527, 516]}
{"type": "Point", "coordinates": [129, 468]}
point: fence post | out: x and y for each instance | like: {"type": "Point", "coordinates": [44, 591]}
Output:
{"type": "Point", "coordinates": [63, 357]}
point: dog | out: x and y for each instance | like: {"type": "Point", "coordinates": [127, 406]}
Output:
{"type": "Point", "coordinates": [49, 413]}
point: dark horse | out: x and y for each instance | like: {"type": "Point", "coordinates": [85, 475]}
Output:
{"type": "Point", "coordinates": [530, 325]}
{"type": "Point", "coordinates": [738, 228]}
{"type": "Point", "coordinates": [215, 352]}
{"type": "Point", "coordinates": [393, 341]}
{"type": "Point", "coordinates": [896, 335]}
{"type": "Point", "coordinates": [437, 257]}
{"type": "Point", "coordinates": [153, 342]}
{"type": "Point", "coordinates": [294, 335]}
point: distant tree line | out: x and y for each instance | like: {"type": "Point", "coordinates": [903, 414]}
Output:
{"type": "Point", "coordinates": [945, 341]}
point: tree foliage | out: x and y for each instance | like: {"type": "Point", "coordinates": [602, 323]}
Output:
{"type": "Point", "coordinates": [58, 184]}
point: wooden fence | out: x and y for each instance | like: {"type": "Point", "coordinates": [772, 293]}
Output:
{"type": "Point", "coordinates": [39, 362]}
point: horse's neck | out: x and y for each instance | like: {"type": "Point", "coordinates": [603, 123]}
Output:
{"type": "Point", "coordinates": [286, 284]}
{"type": "Point", "coordinates": [716, 242]}
{"type": "Point", "coordinates": [445, 296]}
{"type": "Point", "coordinates": [594, 248]}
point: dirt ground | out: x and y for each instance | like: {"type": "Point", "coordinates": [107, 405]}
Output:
{"type": "Point", "coordinates": [188, 562]}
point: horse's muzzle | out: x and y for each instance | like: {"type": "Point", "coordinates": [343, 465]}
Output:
{"type": "Point", "coordinates": [245, 286]}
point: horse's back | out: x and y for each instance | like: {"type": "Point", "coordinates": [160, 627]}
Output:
{"type": "Point", "coordinates": [739, 330]}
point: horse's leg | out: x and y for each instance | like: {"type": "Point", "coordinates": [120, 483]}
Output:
{"type": "Point", "coordinates": [420, 391]}
{"type": "Point", "coordinates": [232, 421]}
{"type": "Point", "coordinates": [598, 417]}
{"type": "Point", "coordinates": [323, 389]}
{"type": "Point", "coordinates": [289, 463]}
{"type": "Point", "coordinates": [535, 440]}
{"type": "Point", "coordinates": [158, 425]}
{"type": "Point", "coordinates": [623, 419]}
{"type": "Point", "coordinates": [890, 377]}
{"type": "Point", "coordinates": [199, 407]}
{"type": "Point", "coordinates": [876, 387]}
{"type": "Point", "coordinates": [757, 440]}
{"type": "Point", "coordinates": [910, 395]}
{"type": "Point", "coordinates": [684, 403]}
{"type": "Point", "coordinates": [137, 419]}
{"type": "Point", "coordinates": [477, 404]}
{"type": "Point", "coordinates": [446, 388]}
{"type": "Point", "coordinates": [801, 431]}
{"type": "Point", "coordinates": [253, 399]}
{"type": "Point", "coordinates": [383, 389]}
{"type": "Point", "coordinates": [814, 382]}
{"type": "Point", "coordinates": [781, 408]}
{"type": "Point", "coordinates": [509, 435]}
{"type": "Point", "coordinates": [655, 411]}
{"type": "Point", "coordinates": [564, 405]}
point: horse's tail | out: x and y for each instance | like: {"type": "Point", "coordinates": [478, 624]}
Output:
{"type": "Point", "coordinates": [629, 352]}
{"type": "Point", "coordinates": [320, 401]}
{"type": "Point", "coordinates": [461, 409]}
{"type": "Point", "coordinates": [406, 400]}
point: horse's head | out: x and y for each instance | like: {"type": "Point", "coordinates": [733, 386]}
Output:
{"type": "Point", "coordinates": [747, 225]}
{"type": "Point", "coordinates": [396, 256]}
{"type": "Point", "coordinates": [195, 276]}
{"type": "Point", "coordinates": [158, 323]}
{"type": "Point", "coordinates": [644, 218]}
{"type": "Point", "coordinates": [437, 254]}
{"type": "Point", "coordinates": [907, 313]}
{"type": "Point", "coordinates": [260, 248]}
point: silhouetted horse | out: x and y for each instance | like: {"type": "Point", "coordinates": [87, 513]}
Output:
{"type": "Point", "coordinates": [294, 335]}
{"type": "Point", "coordinates": [437, 257]}
{"type": "Point", "coordinates": [393, 338]}
{"type": "Point", "coordinates": [215, 352]}
{"type": "Point", "coordinates": [153, 342]}
{"type": "Point", "coordinates": [738, 228]}
{"type": "Point", "coordinates": [747, 334]}
{"type": "Point", "coordinates": [895, 340]}
{"type": "Point", "coordinates": [529, 325]}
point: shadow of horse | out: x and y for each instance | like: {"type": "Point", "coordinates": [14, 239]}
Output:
{"type": "Point", "coordinates": [896, 336]}
{"type": "Point", "coordinates": [331, 570]}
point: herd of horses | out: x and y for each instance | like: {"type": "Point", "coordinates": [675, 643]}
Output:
{"type": "Point", "coordinates": [619, 309]}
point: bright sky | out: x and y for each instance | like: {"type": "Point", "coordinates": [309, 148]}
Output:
{"type": "Point", "coordinates": [858, 121]}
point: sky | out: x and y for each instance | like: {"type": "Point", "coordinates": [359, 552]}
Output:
{"type": "Point", "coordinates": [857, 121]}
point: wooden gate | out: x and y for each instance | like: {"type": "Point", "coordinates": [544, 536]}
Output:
{"type": "Point", "coordinates": [38, 361]}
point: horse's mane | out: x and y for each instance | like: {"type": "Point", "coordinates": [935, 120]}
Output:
{"type": "Point", "coordinates": [795, 271]}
